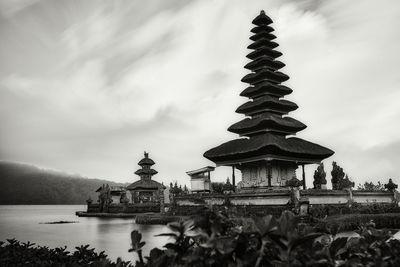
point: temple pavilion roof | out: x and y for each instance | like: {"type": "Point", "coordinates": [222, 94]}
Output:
{"type": "Point", "coordinates": [146, 172]}
{"type": "Point", "coordinates": [265, 75]}
{"type": "Point", "coordinates": [266, 88]}
{"type": "Point", "coordinates": [262, 19]}
{"type": "Point", "coordinates": [267, 103]}
{"type": "Point", "coordinates": [145, 184]}
{"type": "Point", "coordinates": [267, 122]}
{"type": "Point", "coordinates": [267, 125]}
{"type": "Point", "coordinates": [267, 147]}
{"type": "Point", "coordinates": [146, 160]}
{"type": "Point", "coordinates": [201, 170]}
{"type": "Point", "coordinates": [264, 62]}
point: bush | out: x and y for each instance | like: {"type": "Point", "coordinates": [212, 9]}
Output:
{"type": "Point", "coordinates": [266, 241]}
{"type": "Point", "coordinates": [15, 253]}
{"type": "Point", "coordinates": [322, 211]}
{"type": "Point", "coordinates": [354, 221]}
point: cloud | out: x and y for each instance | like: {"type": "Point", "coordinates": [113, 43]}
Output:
{"type": "Point", "coordinates": [87, 90]}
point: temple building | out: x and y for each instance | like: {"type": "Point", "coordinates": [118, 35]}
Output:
{"type": "Point", "coordinates": [146, 190]}
{"type": "Point", "coordinates": [200, 180]}
{"type": "Point", "coordinates": [267, 155]}
{"type": "Point", "coordinates": [116, 192]}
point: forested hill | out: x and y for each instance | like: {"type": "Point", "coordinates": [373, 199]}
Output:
{"type": "Point", "coordinates": [26, 184]}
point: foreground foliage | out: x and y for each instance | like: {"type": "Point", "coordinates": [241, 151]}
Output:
{"type": "Point", "coordinates": [214, 239]}
{"type": "Point", "coordinates": [16, 253]}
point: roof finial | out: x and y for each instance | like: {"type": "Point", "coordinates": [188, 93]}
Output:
{"type": "Point", "coordinates": [262, 12]}
{"type": "Point", "coordinates": [146, 155]}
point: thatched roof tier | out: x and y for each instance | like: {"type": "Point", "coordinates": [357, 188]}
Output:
{"type": "Point", "coordinates": [264, 62]}
{"type": "Point", "coordinates": [146, 161]}
{"type": "Point", "coordinates": [146, 172]}
{"type": "Point", "coordinates": [145, 184]}
{"type": "Point", "coordinates": [264, 51]}
{"type": "Point", "coordinates": [265, 75]}
{"type": "Point", "coordinates": [267, 104]}
{"type": "Point", "coordinates": [267, 122]}
{"type": "Point", "coordinates": [261, 35]}
{"type": "Point", "coordinates": [262, 28]}
{"type": "Point", "coordinates": [267, 147]}
{"type": "Point", "coordinates": [262, 19]}
{"type": "Point", "coordinates": [266, 88]}
{"type": "Point", "coordinates": [263, 43]}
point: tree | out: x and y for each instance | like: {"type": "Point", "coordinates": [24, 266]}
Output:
{"type": "Point", "coordinates": [175, 190]}
{"type": "Point", "coordinates": [227, 186]}
{"type": "Point", "coordinates": [391, 186]}
{"type": "Point", "coordinates": [217, 188]}
{"type": "Point", "coordinates": [337, 175]}
{"type": "Point", "coordinates": [345, 183]}
{"type": "Point", "coordinates": [319, 177]}
{"type": "Point", "coordinates": [370, 186]}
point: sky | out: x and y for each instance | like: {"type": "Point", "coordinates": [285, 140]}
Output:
{"type": "Point", "coordinates": [87, 86]}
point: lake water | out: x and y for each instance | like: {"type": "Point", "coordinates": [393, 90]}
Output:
{"type": "Point", "coordinates": [25, 223]}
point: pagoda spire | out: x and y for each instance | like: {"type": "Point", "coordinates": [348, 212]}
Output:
{"type": "Point", "coordinates": [266, 125]}
{"type": "Point", "coordinates": [146, 172]}
{"type": "Point", "coordinates": [266, 108]}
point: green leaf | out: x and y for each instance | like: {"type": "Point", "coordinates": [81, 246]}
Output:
{"type": "Point", "coordinates": [337, 245]}
{"type": "Point", "coordinates": [265, 224]}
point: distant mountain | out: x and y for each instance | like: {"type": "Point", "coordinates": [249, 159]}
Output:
{"type": "Point", "coordinates": [26, 184]}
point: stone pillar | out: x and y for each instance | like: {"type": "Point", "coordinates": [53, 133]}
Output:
{"type": "Point", "coordinates": [269, 173]}
{"type": "Point", "coordinates": [350, 198]}
{"type": "Point", "coordinates": [161, 197]}
{"type": "Point", "coordinates": [304, 177]}
{"type": "Point", "coordinates": [233, 178]}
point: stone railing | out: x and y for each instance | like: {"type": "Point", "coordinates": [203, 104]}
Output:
{"type": "Point", "coordinates": [281, 197]}
{"type": "Point", "coordinates": [286, 197]}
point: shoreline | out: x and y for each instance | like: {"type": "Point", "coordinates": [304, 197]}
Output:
{"type": "Point", "coordinates": [142, 218]}
{"type": "Point", "coordinates": [105, 215]}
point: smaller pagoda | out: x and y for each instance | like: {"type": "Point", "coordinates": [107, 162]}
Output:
{"type": "Point", "coordinates": [146, 190]}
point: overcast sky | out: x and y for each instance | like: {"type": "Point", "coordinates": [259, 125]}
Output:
{"type": "Point", "coordinates": [87, 86]}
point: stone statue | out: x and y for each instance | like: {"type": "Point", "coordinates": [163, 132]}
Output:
{"type": "Point", "coordinates": [105, 198]}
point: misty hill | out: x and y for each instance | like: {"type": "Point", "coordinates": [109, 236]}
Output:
{"type": "Point", "coordinates": [26, 184]}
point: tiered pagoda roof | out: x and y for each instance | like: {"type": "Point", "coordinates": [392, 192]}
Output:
{"type": "Point", "coordinates": [266, 126]}
{"type": "Point", "coordinates": [145, 173]}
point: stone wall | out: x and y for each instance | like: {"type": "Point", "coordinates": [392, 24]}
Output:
{"type": "Point", "coordinates": [259, 202]}
{"type": "Point", "coordinates": [268, 199]}
{"type": "Point", "coordinates": [374, 197]}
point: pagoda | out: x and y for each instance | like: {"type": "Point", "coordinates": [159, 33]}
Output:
{"type": "Point", "coordinates": [146, 189]}
{"type": "Point", "coordinates": [266, 156]}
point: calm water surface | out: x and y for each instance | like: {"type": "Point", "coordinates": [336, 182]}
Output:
{"type": "Point", "coordinates": [25, 223]}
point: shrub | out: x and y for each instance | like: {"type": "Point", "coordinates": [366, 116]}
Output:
{"type": "Point", "coordinates": [321, 211]}
{"type": "Point", "coordinates": [319, 177]}
{"type": "Point", "coordinates": [370, 186]}
{"type": "Point", "coordinates": [354, 221]}
{"type": "Point", "coordinates": [390, 186]}
{"type": "Point", "coordinates": [15, 253]}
